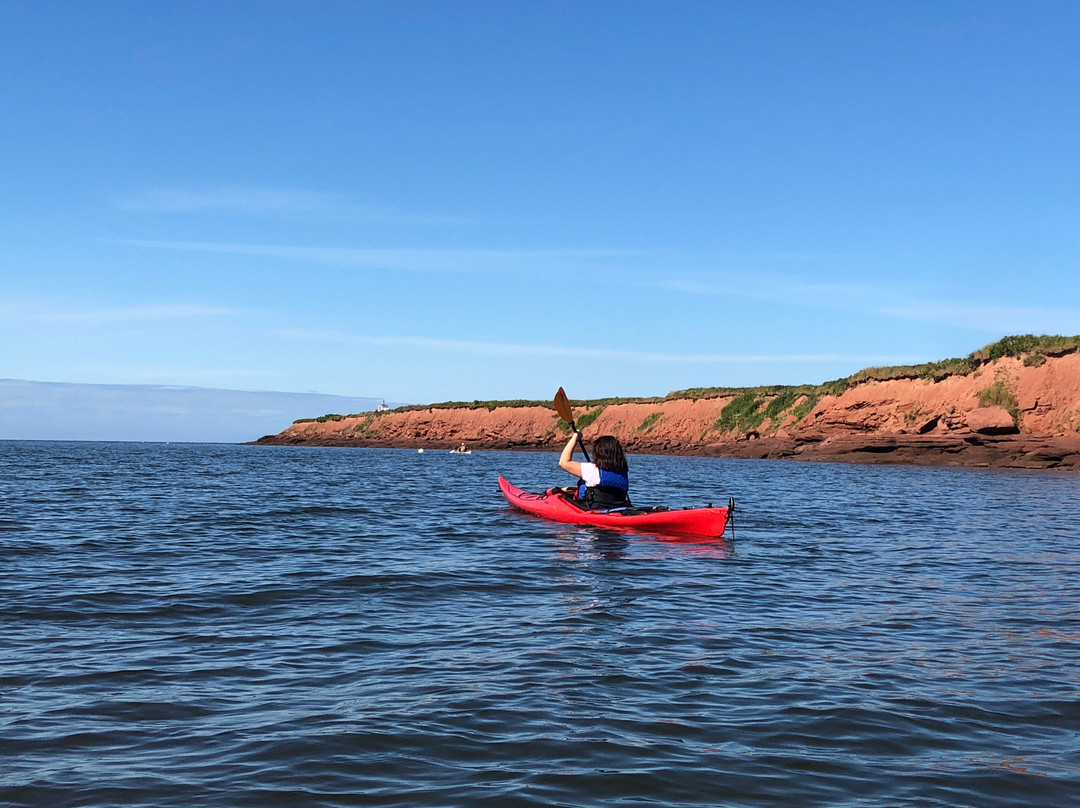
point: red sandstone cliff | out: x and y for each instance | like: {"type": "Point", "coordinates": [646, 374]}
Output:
{"type": "Point", "coordinates": [909, 420]}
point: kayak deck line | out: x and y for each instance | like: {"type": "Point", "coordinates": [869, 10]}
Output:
{"type": "Point", "coordinates": [553, 504]}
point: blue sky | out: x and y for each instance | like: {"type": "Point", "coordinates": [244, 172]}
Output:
{"type": "Point", "coordinates": [423, 201]}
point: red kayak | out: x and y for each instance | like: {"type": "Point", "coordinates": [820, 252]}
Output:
{"type": "Point", "coordinates": [554, 504]}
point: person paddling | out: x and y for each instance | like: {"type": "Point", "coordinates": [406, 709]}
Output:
{"type": "Point", "coordinates": [603, 483]}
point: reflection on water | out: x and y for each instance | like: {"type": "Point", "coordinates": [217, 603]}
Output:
{"type": "Point", "coordinates": [589, 543]}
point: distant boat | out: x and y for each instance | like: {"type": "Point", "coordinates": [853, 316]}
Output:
{"type": "Point", "coordinates": [458, 451]}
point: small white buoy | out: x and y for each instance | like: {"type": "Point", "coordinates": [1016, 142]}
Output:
{"type": "Point", "coordinates": [419, 451]}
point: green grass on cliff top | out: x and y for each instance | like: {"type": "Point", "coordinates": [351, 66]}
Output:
{"type": "Point", "coordinates": [1015, 346]}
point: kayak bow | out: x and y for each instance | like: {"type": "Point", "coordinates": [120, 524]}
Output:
{"type": "Point", "coordinates": [553, 504]}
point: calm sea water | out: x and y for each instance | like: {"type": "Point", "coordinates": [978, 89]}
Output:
{"type": "Point", "coordinates": [187, 625]}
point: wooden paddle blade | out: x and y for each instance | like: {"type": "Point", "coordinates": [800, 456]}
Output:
{"type": "Point", "coordinates": [562, 406]}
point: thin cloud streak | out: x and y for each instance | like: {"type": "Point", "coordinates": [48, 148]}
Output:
{"type": "Point", "coordinates": [902, 306]}
{"type": "Point", "coordinates": [118, 314]}
{"type": "Point", "coordinates": [410, 260]}
{"type": "Point", "coordinates": [998, 319]}
{"type": "Point", "coordinates": [554, 351]}
{"type": "Point", "coordinates": [777, 289]}
{"type": "Point", "coordinates": [261, 201]}
{"type": "Point", "coordinates": [228, 199]}
{"type": "Point", "coordinates": [174, 377]}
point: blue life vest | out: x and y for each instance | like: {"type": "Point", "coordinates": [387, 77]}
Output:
{"type": "Point", "coordinates": [612, 492]}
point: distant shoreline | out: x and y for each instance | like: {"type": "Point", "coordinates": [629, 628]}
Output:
{"type": "Point", "coordinates": [1019, 453]}
{"type": "Point", "coordinates": [1014, 404]}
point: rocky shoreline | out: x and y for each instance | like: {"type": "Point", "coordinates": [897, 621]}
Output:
{"type": "Point", "coordinates": [919, 421]}
{"type": "Point", "coordinates": [974, 451]}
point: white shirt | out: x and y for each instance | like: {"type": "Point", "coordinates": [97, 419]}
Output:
{"type": "Point", "coordinates": [590, 474]}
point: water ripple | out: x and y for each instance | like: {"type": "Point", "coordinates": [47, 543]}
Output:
{"type": "Point", "coordinates": [220, 625]}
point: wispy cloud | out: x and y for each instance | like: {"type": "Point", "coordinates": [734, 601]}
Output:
{"type": "Point", "coordinates": [840, 295]}
{"type": "Point", "coordinates": [883, 300]}
{"type": "Point", "coordinates": [107, 315]}
{"type": "Point", "coordinates": [174, 377]}
{"type": "Point", "coordinates": [240, 200]}
{"type": "Point", "coordinates": [227, 199]}
{"type": "Point", "coordinates": [993, 318]}
{"type": "Point", "coordinates": [411, 260]}
{"type": "Point", "coordinates": [482, 348]}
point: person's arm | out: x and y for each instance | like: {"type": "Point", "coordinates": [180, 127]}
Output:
{"type": "Point", "coordinates": [565, 463]}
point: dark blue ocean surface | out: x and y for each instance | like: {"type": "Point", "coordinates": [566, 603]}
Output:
{"type": "Point", "coordinates": [212, 625]}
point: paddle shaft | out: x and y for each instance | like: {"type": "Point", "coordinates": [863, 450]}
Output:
{"type": "Point", "coordinates": [580, 442]}
{"type": "Point", "coordinates": [566, 412]}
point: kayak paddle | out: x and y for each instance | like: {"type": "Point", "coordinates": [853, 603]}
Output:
{"type": "Point", "coordinates": [562, 406]}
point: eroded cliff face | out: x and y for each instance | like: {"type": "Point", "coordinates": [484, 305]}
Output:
{"type": "Point", "coordinates": [1007, 414]}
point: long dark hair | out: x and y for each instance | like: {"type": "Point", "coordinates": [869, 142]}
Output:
{"type": "Point", "coordinates": [608, 454]}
